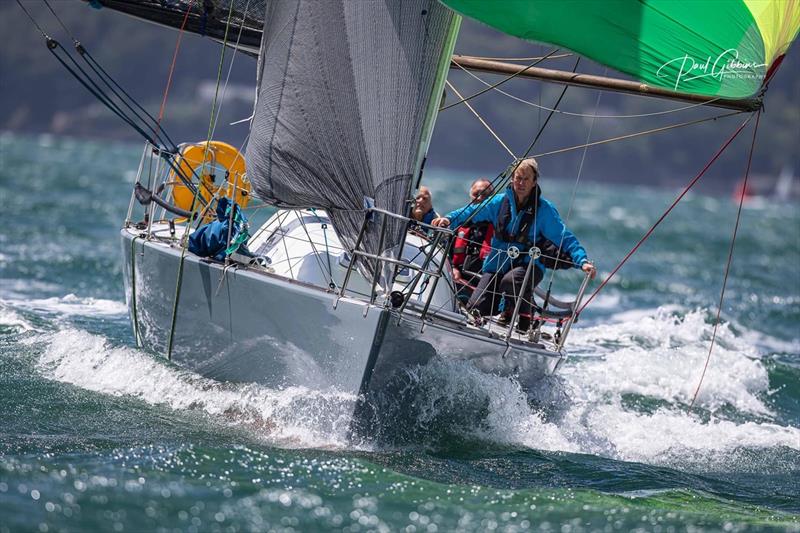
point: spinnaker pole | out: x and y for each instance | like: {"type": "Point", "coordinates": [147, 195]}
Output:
{"type": "Point", "coordinates": [598, 82]}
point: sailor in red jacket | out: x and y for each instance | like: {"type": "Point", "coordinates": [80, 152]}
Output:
{"type": "Point", "coordinates": [472, 244]}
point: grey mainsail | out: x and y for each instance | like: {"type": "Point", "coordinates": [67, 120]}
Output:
{"type": "Point", "coordinates": [347, 95]}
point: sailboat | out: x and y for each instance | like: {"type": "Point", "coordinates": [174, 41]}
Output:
{"type": "Point", "coordinates": [340, 289]}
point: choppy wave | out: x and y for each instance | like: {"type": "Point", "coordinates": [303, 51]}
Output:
{"type": "Point", "coordinates": [292, 417]}
{"type": "Point", "coordinates": [11, 320]}
{"type": "Point", "coordinates": [628, 400]}
{"type": "Point", "coordinates": [75, 305]}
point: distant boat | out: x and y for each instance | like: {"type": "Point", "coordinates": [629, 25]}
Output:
{"type": "Point", "coordinates": [764, 189]}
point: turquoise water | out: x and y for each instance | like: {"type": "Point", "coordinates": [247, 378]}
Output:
{"type": "Point", "coordinates": [97, 435]}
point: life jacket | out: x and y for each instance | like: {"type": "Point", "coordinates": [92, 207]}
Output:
{"type": "Point", "coordinates": [472, 245]}
{"type": "Point", "coordinates": [552, 256]}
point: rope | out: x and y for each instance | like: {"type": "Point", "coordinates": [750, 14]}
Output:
{"type": "Point", "coordinates": [174, 58]}
{"type": "Point", "coordinates": [664, 215]}
{"type": "Point", "coordinates": [557, 56]}
{"type": "Point", "coordinates": [74, 40]}
{"type": "Point", "coordinates": [134, 314]}
{"type": "Point", "coordinates": [728, 263]}
{"type": "Point", "coordinates": [212, 122]}
{"type": "Point", "coordinates": [639, 134]}
{"type": "Point", "coordinates": [230, 66]}
{"type": "Point", "coordinates": [110, 82]}
{"type": "Point", "coordinates": [324, 227]}
{"type": "Point", "coordinates": [185, 238]}
{"type": "Point", "coordinates": [91, 85]}
{"type": "Point", "coordinates": [33, 20]}
{"type": "Point", "coordinates": [511, 77]}
{"type": "Point", "coordinates": [485, 125]}
{"type": "Point", "coordinates": [584, 115]}
{"type": "Point", "coordinates": [575, 189]}
{"type": "Point", "coordinates": [506, 175]}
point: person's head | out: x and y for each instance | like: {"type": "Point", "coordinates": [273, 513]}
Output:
{"type": "Point", "coordinates": [525, 178]}
{"type": "Point", "coordinates": [480, 190]}
{"type": "Point", "coordinates": [422, 203]}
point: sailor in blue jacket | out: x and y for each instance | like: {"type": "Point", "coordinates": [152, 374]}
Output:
{"type": "Point", "coordinates": [522, 218]}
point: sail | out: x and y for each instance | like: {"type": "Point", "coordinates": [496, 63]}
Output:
{"type": "Point", "coordinates": [347, 93]}
{"type": "Point", "coordinates": [707, 47]}
{"type": "Point", "coordinates": [243, 19]}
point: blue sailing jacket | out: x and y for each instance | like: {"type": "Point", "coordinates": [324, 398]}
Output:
{"type": "Point", "coordinates": [547, 224]}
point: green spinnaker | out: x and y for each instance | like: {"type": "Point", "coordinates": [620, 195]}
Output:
{"type": "Point", "coordinates": [707, 47]}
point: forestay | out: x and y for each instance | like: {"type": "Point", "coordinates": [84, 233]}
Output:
{"type": "Point", "coordinates": [347, 96]}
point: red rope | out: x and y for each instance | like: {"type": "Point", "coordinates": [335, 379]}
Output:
{"type": "Point", "coordinates": [730, 259]}
{"type": "Point", "coordinates": [172, 66]}
{"type": "Point", "coordinates": [667, 212]}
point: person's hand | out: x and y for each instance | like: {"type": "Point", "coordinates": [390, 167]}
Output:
{"type": "Point", "coordinates": [456, 274]}
{"type": "Point", "coordinates": [441, 222]}
{"type": "Point", "coordinates": [589, 269]}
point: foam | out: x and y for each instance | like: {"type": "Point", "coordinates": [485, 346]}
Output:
{"type": "Point", "coordinates": [12, 320]}
{"type": "Point", "coordinates": [75, 305]}
{"type": "Point", "coordinates": [293, 417]}
{"type": "Point", "coordinates": [653, 355]}
{"type": "Point", "coordinates": [625, 397]}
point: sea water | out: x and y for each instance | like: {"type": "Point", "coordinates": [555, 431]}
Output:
{"type": "Point", "coordinates": [98, 435]}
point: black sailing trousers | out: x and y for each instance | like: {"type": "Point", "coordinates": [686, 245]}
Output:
{"type": "Point", "coordinates": [493, 287]}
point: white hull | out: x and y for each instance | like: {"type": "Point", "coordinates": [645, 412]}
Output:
{"type": "Point", "coordinates": [244, 324]}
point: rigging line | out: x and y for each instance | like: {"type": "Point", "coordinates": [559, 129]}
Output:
{"type": "Point", "coordinates": [639, 133]}
{"type": "Point", "coordinates": [485, 125]}
{"type": "Point", "coordinates": [550, 114]}
{"type": "Point", "coordinates": [104, 77]}
{"type": "Point", "coordinates": [310, 241]}
{"type": "Point", "coordinates": [90, 85]}
{"type": "Point", "coordinates": [536, 139]}
{"type": "Point", "coordinates": [208, 138]}
{"type": "Point", "coordinates": [214, 116]}
{"type": "Point", "coordinates": [108, 80]}
{"type": "Point", "coordinates": [286, 246]}
{"type": "Point", "coordinates": [667, 212]}
{"type": "Point", "coordinates": [730, 260]}
{"type": "Point", "coordinates": [212, 120]}
{"type": "Point", "coordinates": [507, 78]}
{"type": "Point", "coordinates": [94, 89]}
{"type": "Point", "coordinates": [575, 187]}
{"type": "Point", "coordinates": [557, 56]}
{"type": "Point", "coordinates": [504, 177]}
{"type": "Point", "coordinates": [181, 262]}
{"type": "Point", "coordinates": [174, 59]}
{"type": "Point", "coordinates": [33, 20]}
{"type": "Point", "coordinates": [74, 40]}
{"type": "Point", "coordinates": [584, 115]}
{"type": "Point", "coordinates": [230, 68]}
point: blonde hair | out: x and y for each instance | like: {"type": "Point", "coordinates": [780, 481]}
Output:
{"type": "Point", "coordinates": [532, 164]}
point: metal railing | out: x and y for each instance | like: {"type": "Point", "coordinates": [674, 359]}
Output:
{"type": "Point", "coordinates": [441, 241]}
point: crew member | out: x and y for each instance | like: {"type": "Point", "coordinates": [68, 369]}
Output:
{"type": "Point", "coordinates": [521, 217]}
{"type": "Point", "coordinates": [423, 206]}
{"type": "Point", "coordinates": [473, 243]}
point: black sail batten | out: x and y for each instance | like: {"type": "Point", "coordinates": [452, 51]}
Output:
{"type": "Point", "coordinates": [208, 18]}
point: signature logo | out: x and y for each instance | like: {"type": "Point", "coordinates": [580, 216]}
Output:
{"type": "Point", "coordinates": [726, 64]}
